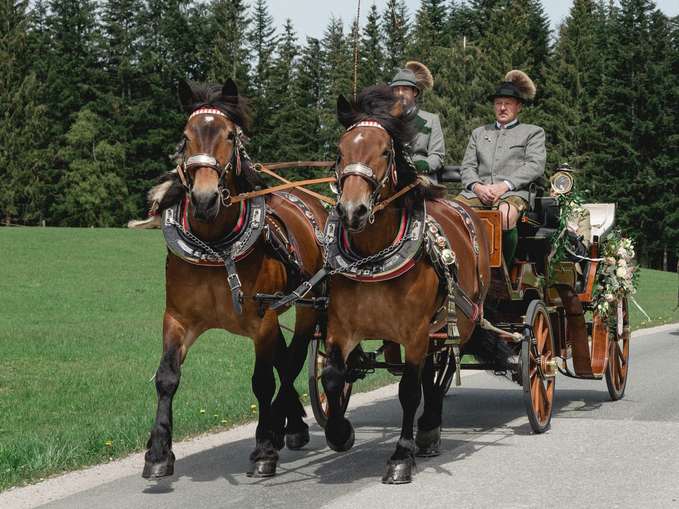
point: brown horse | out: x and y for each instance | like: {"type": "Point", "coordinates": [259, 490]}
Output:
{"type": "Point", "coordinates": [372, 168]}
{"type": "Point", "coordinates": [214, 169]}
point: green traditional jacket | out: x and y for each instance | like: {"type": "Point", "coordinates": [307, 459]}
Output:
{"type": "Point", "coordinates": [515, 154]}
{"type": "Point", "coordinates": [428, 144]}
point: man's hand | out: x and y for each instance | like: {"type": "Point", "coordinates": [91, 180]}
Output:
{"type": "Point", "coordinates": [490, 193]}
{"type": "Point", "coordinates": [498, 190]}
{"type": "Point", "coordinates": [484, 192]}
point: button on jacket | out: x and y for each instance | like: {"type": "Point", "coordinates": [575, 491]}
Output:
{"type": "Point", "coordinates": [516, 154]}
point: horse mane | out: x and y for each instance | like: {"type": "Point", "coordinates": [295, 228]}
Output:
{"type": "Point", "coordinates": [170, 190]}
{"type": "Point", "coordinates": [377, 103]}
{"type": "Point", "coordinates": [209, 95]}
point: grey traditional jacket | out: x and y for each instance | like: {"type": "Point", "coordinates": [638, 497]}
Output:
{"type": "Point", "coordinates": [428, 144]}
{"type": "Point", "coordinates": [516, 154]}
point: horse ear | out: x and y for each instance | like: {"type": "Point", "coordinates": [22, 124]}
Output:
{"type": "Point", "coordinates": [230, 91]}
{"type": "Point", "coordinates": [344, 111]}
{"type": "Point", "coordinates": [185, 93]}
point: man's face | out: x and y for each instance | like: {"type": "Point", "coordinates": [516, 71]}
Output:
{"type": "Point", "coordinates": [406, 95]}
{"type": "Point", "coordinates": [506, 109]}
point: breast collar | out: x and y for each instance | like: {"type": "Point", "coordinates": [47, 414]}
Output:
{"type": "Point", "coordinates": [407, 247]}
{"type": "Point", "coordinates": [237, 243]}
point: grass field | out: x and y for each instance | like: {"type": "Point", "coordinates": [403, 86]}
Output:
{"type": "Point", "coordinates": [80, 323]}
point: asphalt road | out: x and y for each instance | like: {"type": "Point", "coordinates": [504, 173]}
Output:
{"type": "Point", "coordinates": [598, 454]}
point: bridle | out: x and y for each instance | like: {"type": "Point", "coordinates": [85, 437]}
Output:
{"type": "Point", "coordinates": [203, 160]}
{"type": "Point", "coordinates": [365, 172]}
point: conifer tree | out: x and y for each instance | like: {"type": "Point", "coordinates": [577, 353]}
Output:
{"type": "Point", "coordinates": [337, 67]}
{"type": "Point", "coordinates": [372, 56]}
{"type": "Point", "coordinates": [230, 58]}
{"type": "Point", "coordinates": [263, 45]}
{"type": "Point", "coordinates": [23, 183]}
{"type": "Point", "coordinates": [395, 27]}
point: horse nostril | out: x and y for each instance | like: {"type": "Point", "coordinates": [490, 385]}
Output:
{"type": "Point", "coordinates": [213, 200]}
{"type": "Point", "coordinates": [341, 211]}
{"type": "Point", "coordinates": [361, 211]}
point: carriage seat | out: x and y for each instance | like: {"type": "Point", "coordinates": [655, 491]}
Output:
{"type": "Point", "coordinates": [602, 218]}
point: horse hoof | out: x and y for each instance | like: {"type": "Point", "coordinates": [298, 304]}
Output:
{"type": "Point", "coordinates": [295, 441]}
{"type": "Point", "coordinates": [399, 473]}
{"type": "Point", "coordinates": [262, 468]}
{"type": "Point", "coordinates": [341, 446]}
{"type": "Point", "coordinates": [428, 443]}
{"type": "Point", "coordinates": [160, 469]}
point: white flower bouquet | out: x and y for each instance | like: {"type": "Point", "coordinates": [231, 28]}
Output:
{"type": "Point", "coordinates": [617, 274]}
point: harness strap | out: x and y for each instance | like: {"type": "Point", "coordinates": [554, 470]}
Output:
{"type": "Point", "coordinates": [299, 164]}
{"type": "Point", "coordinates": [301, 290]}
{"type": "Point", "coordinates": [282, 246]}
{"type": "Point", "coordinates": [234, 283]}
{"type": "Point", "coordinates": [281, 187]}
{"type": "Point", "coordinates": [264, 169]}
{"type": "Point", "coordinates": [383, 204]}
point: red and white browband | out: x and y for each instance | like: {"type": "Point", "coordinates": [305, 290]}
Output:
{"type": "Point", "coordinates": [208, 111]}
{"type": "Point", "coordinates": [366, 123]}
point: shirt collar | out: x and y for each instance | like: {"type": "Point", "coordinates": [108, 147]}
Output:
{"type": "Point", "coordinates": [513, 123]}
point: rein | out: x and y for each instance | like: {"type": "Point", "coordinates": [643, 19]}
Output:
{"type": "Point", "coordinates": [203, 160]}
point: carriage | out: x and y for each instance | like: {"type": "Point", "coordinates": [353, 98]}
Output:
{"type": "Point", "coordinates": [539, 317]}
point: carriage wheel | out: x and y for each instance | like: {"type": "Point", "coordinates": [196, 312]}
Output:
{"type": "Point", "coordinates": [316, 361]}
{"type": "Point", "coordinates": [538, 368]}
{"type": "Point", "coordinates": [618, 355]}
{"type": "Point", "coordinates": [443, 374]}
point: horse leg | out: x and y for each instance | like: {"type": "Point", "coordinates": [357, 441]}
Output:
{"type": "Point", "coordinates": [400, 465]}
{"type": "Point", "coordinates": [159, 458]}
{"type": "Point", "coordinates": [287, 402]}
{"type": "Point", "coordinates": [264, 458]}
{"type": "Point", "coordinates": [296, 430]}
{"type": "Point", "coordinates": [428, 437]}
{"type": "Point", "coordinates": [339, 433]}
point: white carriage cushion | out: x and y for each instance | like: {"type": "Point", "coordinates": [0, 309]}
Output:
{"type": "Point", "coordinates": [602, 218]}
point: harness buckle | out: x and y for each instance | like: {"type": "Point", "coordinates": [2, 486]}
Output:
{"type": "Point", "coordinates": [303, 289]}
{"type": "Point", "coordinates": [225, 196]}
{"type": "Point", "coordinates": [234, 282]}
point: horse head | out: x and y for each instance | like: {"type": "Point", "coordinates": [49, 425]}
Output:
{"type": "Point", "coordinates": [210, 159]}
{"type": "Point", "coordinates": [370, 153]}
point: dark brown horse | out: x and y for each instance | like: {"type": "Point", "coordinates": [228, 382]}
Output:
{"type": "Point", "coordinates": [213, 170]}
{"type": "Point", "coordinates": [371, 169]}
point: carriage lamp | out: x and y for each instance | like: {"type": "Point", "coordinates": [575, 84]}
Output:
{"type": "Point", "coordinates": [561, 182]}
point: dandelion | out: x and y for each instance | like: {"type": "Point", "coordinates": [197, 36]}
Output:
{"type": "Point", "coordinates": [202, 410]}
{"type": "Point", "coordinates": [108, 443]}
{"type": "Point", "coordinates": [253, 409]}
{"type": "Point", "coordinates": [224, 422]}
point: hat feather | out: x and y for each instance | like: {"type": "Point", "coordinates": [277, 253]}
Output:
{"type": "Point", "coordinates": [525, 85]}
{"type": "Point", "coordinates": [422, 74]}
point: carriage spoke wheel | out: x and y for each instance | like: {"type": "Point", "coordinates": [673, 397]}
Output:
{"type": "Point", "coordinates": [538, 368]}
{"type": "Point", "coordinates": [618, 354]}
{"type": "Point", "coordinates": [316, 361]}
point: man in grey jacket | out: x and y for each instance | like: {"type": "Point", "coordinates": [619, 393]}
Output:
{"type": "Point", "coordinates": [427, 147]}
{"type": "Point", "coordinates": [503, 158]}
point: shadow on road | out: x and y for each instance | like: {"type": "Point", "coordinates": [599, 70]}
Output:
{"type": "Point", "coordinates": [474, 418]}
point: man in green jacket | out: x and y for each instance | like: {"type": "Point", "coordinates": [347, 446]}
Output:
{"type": "Point", "coordinates": [428, 148]}
{"type": "Point", "coordinates": [503, 158]}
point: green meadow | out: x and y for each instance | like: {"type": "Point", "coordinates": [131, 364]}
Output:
{"type": "Point", "coordinates": [80, 325]}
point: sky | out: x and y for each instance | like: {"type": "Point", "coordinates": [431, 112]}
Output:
{"type": "Point", "coordinates": [310, 17]}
